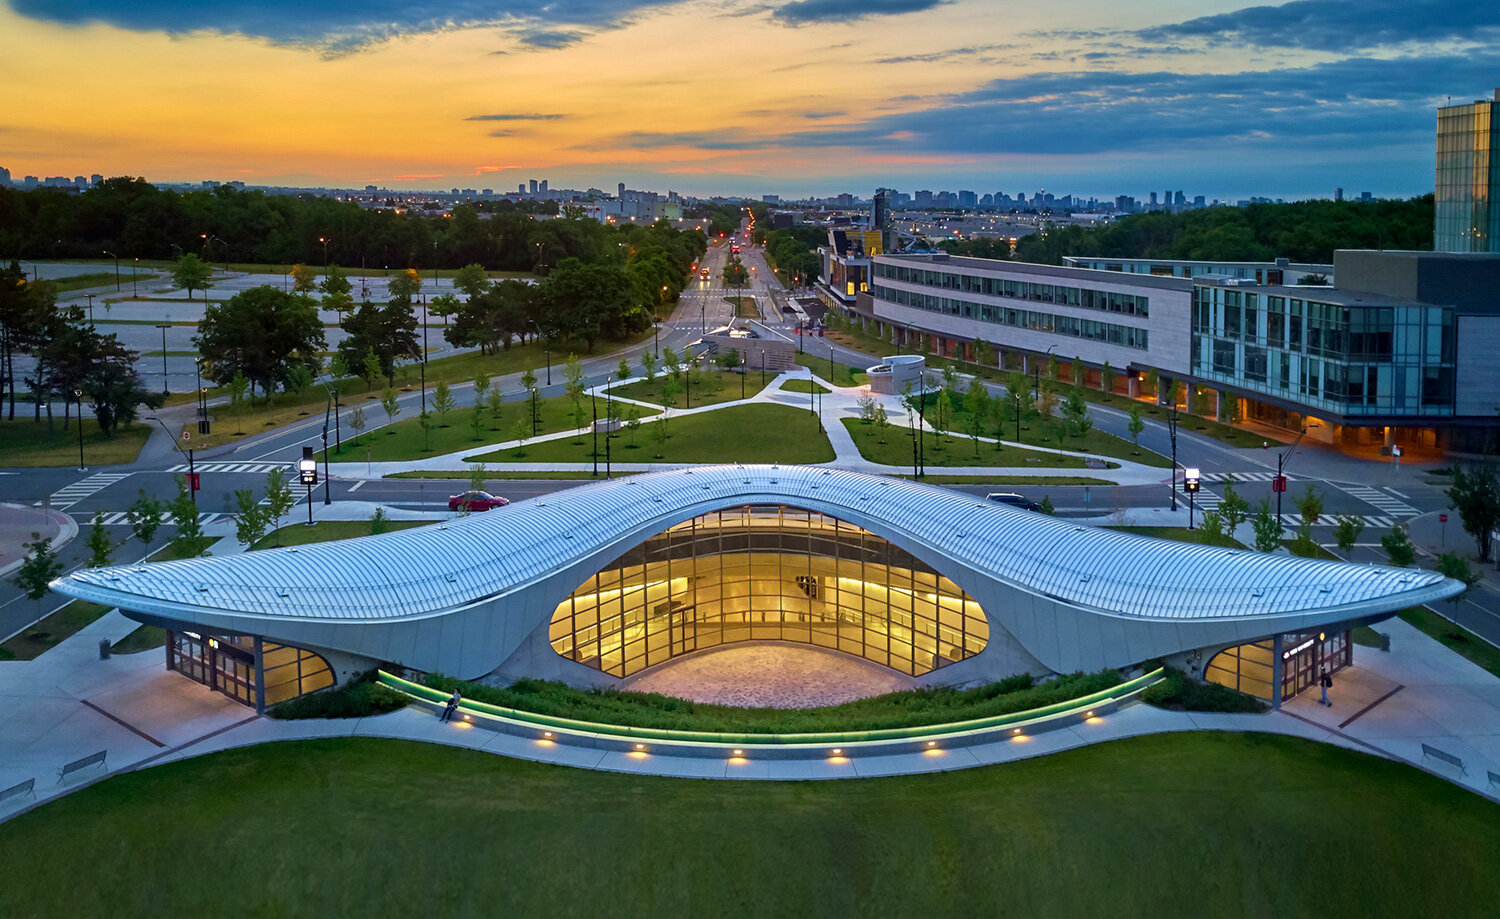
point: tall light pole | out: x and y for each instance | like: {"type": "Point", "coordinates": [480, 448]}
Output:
{"type": "Point", "coordinates": [1172, 430]}
{"type": "Point", "coordinates": [609, 414]}
{"type": "Point", "coordinates": [594, 428]}
{"type": "Point", "coordinates": [533, 411]}
{"type": "Point", "coordinates": [546, 347]}
{"type": "Point", "coordinates": [117, 268]}
{"type": "Point", "coordinates": [164, 326]}
{"type": "Point", "coordinates": [78, 397]}
{"type": "Point", "coordinates": [91, 308]}
{"type": "Point", "coordinates": [134, 290]}
{"type": "Point", "coordinates": [325, 240]}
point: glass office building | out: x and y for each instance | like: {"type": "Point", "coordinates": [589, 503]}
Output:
{"type": "Point", "coordinates": [767, 572]}
{"type": "Point", "coordinates": [250, 670]}
{"type": "Point", "coordinates": [1467, 215]}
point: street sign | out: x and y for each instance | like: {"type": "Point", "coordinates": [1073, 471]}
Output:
{"type": "Point", "coordinates": [187, 435]}
{"type": "Point", "coordinates": [1395, 451]}
{"type": "Point", "coordinates": [193, 481]}
{"type": "Point", "coordinates": [1278, 484]}
{"type": "Point", "coordinates": [1442, 518]}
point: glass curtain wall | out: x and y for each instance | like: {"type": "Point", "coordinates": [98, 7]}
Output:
{"type": "Point", "coordinates": [767, 572]}
{"type": "Point", "coordinates": [227, 664]}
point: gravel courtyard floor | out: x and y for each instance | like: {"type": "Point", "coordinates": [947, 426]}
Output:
{"type": "Point", "coordinates": [769, 675]}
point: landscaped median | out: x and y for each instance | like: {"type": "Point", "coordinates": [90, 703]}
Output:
{"type": "Point", "coordinates": [819, 745]}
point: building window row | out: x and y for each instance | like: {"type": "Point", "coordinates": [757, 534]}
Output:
{"type": "Point", "coordinates": [1105, 301]}
{"type": "Point", "coordinates": [1035, 320]}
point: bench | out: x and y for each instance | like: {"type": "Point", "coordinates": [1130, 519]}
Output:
{"type": "Point", "coordinates": [28, 787]}
{"type": "Point", "coordinates": [77, 764]}
{"type": "Point", "coordinates": [1448, 758]}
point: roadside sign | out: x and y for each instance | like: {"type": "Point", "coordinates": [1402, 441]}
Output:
{"type": "Point", "coordinates": [1278, 484]}
{"type": "Point", "coordinates": [187, 435]}
{"type": "Point", "coordinates": [1442, 518]}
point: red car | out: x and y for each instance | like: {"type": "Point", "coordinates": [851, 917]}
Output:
{"type": "Point", "coordinates": [475, 501]}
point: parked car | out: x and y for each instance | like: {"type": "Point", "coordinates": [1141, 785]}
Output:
{"type": "Point", "coordinates": [475, 501]}
{"type": "Point", "coordinates": [1011, 499]}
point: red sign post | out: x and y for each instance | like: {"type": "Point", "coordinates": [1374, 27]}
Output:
{"type": "Point", "coordinates": [1278, 484]}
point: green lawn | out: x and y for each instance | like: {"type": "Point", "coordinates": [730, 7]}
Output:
{"type": "Point", "coordinates": [742, 433]}
{"type": "Point", "coordinates": [954, 451]}
{"type": "Point", "coordinates": [1454, 636]}
{"type": "Point", "coordinates": [405, 439]}
{"type": "Point", "coordinates": [744, 307]}
{"type": "Point", "coordinates": [300, 534]}
{"type": "Point", "coordinates": [710, 387]}
{"type": "Point", "coordinates": [1190, 825]}
{"type": "Point", "coordinates": [144, 638]}
{"type": "Point", "coordinates": [29, 443]}
{"type": "Point", "coordinates": [1183, 534]}
{"type": "Point", "coordinates": [805, 386]}
{"type": "Point", "coordinates": [41, 636]}
{"type": "Point", "coordinates": [1007, 480]}
{"type": "Point", "coordinates": [1095, 442]}
{"type": "Point", "coordinates": [834, 372]}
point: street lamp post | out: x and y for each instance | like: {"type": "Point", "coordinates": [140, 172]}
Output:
{"type": "Point", "coordinates": [117, 268]}
{"type": "Point", "coordinates": [546, 348]}
{"type": "Point", "coordinates": [135, 291]}
{"type": "Point", "coordinates": [325, 240]}
{"type": "Point", "coordinates": [656, 336]}
{"type": "Point", "coordinates": [533, 411]}
{"type": "Point", "coordinates": [1172, 430]}
{"type": "Point", "coordinates": [78, 397]}
{"type": "Point", "coordinates": [164, 326]}
{"type": "Point", "coordinates": [1279, 486]}
{"type": "Point", "coordinates": [327, 499]}
{"type": "Point", "coordinates": [594, 428]}
{"type": "Point", "coordinates": [609, 414]}
{"type": "Point", "coordinates": [307, 471]}
{"type": "Point", "coordinates": [1190, 485]}
{"type": "Point", "coordinates": [91, 308]}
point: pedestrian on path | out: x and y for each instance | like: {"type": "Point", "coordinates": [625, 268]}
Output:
{"type": "Point", "coordinates": [1325, 682]}
{"type": "Point", "coordinates": [450, 708]}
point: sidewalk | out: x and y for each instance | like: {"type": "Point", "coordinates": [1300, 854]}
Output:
{"type": "Point", "coordinates": [19, 521]}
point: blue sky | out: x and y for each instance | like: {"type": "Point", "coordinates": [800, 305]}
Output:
{"type": "Point", "coordinates": [748, 96]}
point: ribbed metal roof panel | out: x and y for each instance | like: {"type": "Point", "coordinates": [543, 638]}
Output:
{"type": "Point", "coordinates": [447, 566]}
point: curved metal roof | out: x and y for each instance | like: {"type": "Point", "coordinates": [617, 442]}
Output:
{"type": "Point", "coordinates": [449, 566]}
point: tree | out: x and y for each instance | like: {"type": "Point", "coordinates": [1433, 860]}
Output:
{"type": "Point", "coordinates": [444, 305]}
{"type": "Point", "coordinates": [338, 293]}
{"type": "Point", "coordinates": [867, 405]}
{"type": "Point", "coordinates": [443, 402]}
{"type": "Point", "coordinates": [882, 421]}
{"type": "Point", "coordinates": [520, 432]}
{"type": "Point", "coordinates": [279, 499]}
{"type": "Point", "coordinates": [1136, 426]}
{"type": "Point", "coordinates": [1475, 494]}
{"type": "Point", "coordinates": [304, 278]}
{"type": "Point", "coordinates": [481, 387]}
{"type": "Point", "coordinates": [977, 404]}
{"type": "Point", "coordinates": [1212, 528]}
{"type": "Point", "coordinates": [1346, 530]}
{"type": "Point", "coordinates": [573, 383]}
{"type": "Point", "coordinates": [389, 332]}
{"type": "Point", "coordinates": [183, 510]}
{"type": "Point", "coordinates": [1046, 505]}
{"type": "Point", "coordinates": [145, 517]}
{"type": "Point", "coordinates": [1310, 506]}
{"type": "Point", "coordinates": [659, 434]}
{"type": "Point", "coordinates": [261, 333]}
{"type": "Point", "coordinates": [101, 547]}
{"type": "Point", "coordinates": [477, 474]}
{"type": "Point", "coordinates": [632, 422]}
{"type": "Point", "coordinates": [1234, 508]}
{"type": "Point", "coordinates": [1076, 414]}
{"type": "Point", "coordinates": [1229, 407]}
{"type": "Point", "coordinates": [370, 369]}
{"type": "Point", "coordinates": [190, 274]}
{"type": "Point", "coordinates": [670, 362]}
{"type": "Point", "coordinates": [648, 366]}
{"type": "Point", "coordinates": [528, 379]}
{"type": "Point", "coordinates": [379, 522]}
{"type": "Point", "coordinates": [1046, 407]}
{"type": "Point", "coordinates": [476, 422]}
{"type": "Point", "coordinates": [39, 568]}
{"type": "Point", "coordinates": [622, 372]}
{"type": "Point", "coordinates": [589, 301]}
{"type": "Point", "coordinates": [942, 407]}
{"type": "Point", "coordinates": [472, 280]}
{"type": "Point", "coordinates": [424, 421]}
{"type": "Point", "coordinates": [1398, 547]}
{"type": "Point", "coordinates": [984, 353]}
{"type": "Point", "coordinates": [496, 406]}
{"type": "Point", "coordinates": [389, 403]}
{"type": "Point", "coordinates": [250, 519]}
{"type": "Point", "coordinates": [357, 422]}
{"type": "Point", "coordinates": [1107, 378]}
{"type": "Point", "coordinates": [1455, 566]}
{"type": "Point", "coordinates": [1152, 382]}
{"type": "Point", "coordinates": [1079, 371]}
{"type": "Point", "coordinates": [403, 287]}
{"type": "Point", "coordinates": [1267, 530]}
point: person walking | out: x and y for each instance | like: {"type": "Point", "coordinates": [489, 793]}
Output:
{"type": "Point", "coordinates": [451, 707]}
{"type": "Point", "coordinates": [1325, 681]}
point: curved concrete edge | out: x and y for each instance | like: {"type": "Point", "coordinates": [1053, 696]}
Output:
{"type": "Point", "coordinates": [66, 530]}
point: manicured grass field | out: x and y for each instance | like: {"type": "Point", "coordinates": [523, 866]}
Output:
{"type": "Point", "coordinates": [954, 451]}
{"type": "Point", "coordinates": [760, 433]}
{"type": "Point", "coordinates": [835, 373]}
{"type": "Point", "coordinates": [1183, 534]}
{"type": "Point", "coordinates": [1189, 825]}
{"type": "Point", "coordinates": [1095, 442]}
{"type": "Point", "coordinates": [41, 636]}
{"type": "Point", "coordinates": [1454, 636]}
{"type": "Point", "coordinates": [807, 386]}
{"type": "Point", "coordinates": [29, 443]}
{"type": "Point", "coordinates": [298, 534]}
{"type": "Point", "coordinates": [710, 387]}
{"type": "Point", "coordinates": [405, 439]}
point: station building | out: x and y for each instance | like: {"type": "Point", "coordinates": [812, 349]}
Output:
{"type": "Point", "coordinates": [601, 582]}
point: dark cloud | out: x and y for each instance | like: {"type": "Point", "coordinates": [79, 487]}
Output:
{"type": "Point", "coordinates": [1341, 25]}
{"type": "Point", "coordinates": [340, 26]}
{"type": "Point", "coordinates": [933, 57]}
{"type": "Point", "coordinates": [802, 11]}
{"type": "Point", "coordinates": [703, 140]}
{"type": "Point", "coordinates": [515, 116]}
{"type": "Point", "coordinates": [551, 38]}
{"type": "Point", "coordinates": [1341, 105]}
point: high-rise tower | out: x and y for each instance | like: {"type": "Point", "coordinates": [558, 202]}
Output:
{"type": "Point", "coordinates": [1467, 217]}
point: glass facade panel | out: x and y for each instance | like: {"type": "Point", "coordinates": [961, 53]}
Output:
{"type": "Point", "coordinates": [772, 573]}
{"type": "Point", "coordinates": [227, 664]}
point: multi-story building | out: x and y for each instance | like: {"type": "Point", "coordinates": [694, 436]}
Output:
{"type": "Point", "coordinates": [1281, 271]}
{"type": "Point", "coordinates": [1467, 217]}
{"type": "Point", "coordinates": [1399, 352]}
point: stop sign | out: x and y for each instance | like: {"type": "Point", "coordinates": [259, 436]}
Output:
{"type": "Point", "coordinates": [1442, 518]}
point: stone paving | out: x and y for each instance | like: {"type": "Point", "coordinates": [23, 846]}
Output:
{"type": "Point", "coordinates": [769, 674]}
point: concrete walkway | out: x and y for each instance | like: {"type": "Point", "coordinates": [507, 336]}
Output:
{"type": "Point", "coordinates": [68, 704]}
{"type": "Point", "coordinates": [839, 403]}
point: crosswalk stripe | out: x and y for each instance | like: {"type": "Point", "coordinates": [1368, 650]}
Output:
{"type": "Point", "coordinates": [69, 495]}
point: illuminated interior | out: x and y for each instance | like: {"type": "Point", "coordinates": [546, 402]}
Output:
{"type": "Point", "coordinates": [767, 572]}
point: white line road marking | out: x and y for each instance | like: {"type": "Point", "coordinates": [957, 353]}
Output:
{"type": "Point", "coordinates": [1397, 493]}
{"type": "Point", "coordinates": [357, 486]}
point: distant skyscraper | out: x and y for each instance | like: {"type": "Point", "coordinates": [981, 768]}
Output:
{"type": "Point", "coordinates": [4, 176]}
{"type": "Point", "coordinates": [542, 187]}
{"type": "Point", "coordinates": [533, 186]}
{"type": "Point", "coordinates": [1467, 217]}
{"type": "Point", "coordinates": [622, 191]}
{"type": "Point", "coordinates": [1338, 194]}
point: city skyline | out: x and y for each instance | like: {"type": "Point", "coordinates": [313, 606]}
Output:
{"type": "Point", "coordinates": [827, 96]}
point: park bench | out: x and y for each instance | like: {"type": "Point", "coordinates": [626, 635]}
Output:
{"type": "Point", "coordinates": [77, 764]}
{"type": "Point", "coordinates": [1449, 758]}
{"type": "Point", "coordinates": [28, 788]}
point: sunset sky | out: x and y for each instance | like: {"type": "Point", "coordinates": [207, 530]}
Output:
{"type": "Point", "coordinates": [1093, 97]}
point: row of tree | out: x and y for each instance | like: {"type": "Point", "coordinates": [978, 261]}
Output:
{"type": "Point", "coordinates": [131, 218]}
{"type": "Point", "coordinates": [1303, 231]}
{"type": "Point", "coordinates": [71, 361]}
